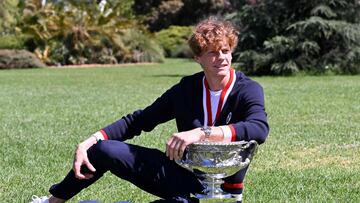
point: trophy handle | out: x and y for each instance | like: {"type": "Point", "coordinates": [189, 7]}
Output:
{"type": "Point", "coordinates": [250, 147]}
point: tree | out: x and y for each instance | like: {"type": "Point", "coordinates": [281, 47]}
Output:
{"type": "Point", "coordinates": [284, 36]}
{"type": "Point", "coordinates": [160, 14]}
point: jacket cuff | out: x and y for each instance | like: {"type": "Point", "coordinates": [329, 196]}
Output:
{"type": "Point", "coordinates": [229, 133]}
{"type": "Point", "coordinates": [103, 133]}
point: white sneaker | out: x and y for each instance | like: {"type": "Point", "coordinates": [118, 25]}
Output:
{"type": "Point", "coordinates": [36, 199]}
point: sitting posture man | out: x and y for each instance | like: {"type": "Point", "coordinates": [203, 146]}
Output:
{"type": "Point", "coordinates": [217, 104]}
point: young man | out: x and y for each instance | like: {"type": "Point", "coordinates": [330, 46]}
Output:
{"type": "Point", "coordinates": [217, 104]}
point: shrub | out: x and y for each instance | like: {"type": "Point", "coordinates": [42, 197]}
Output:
{"type": "Point", "coordinates": [141, 46]}
{"type": "Point", "coordinates": [78, 32]}
{"type": "Point", "coordinates": [18, 59]}
{"type": "Point", "coordinates": [174, 41]}
{"type": "Point", "coordinates": [9, 14]}
{"type": "Point", "coordinates": [12, 42]}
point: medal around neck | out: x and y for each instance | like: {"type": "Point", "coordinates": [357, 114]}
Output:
{"type": "Point", "coordinates": [217, 160]}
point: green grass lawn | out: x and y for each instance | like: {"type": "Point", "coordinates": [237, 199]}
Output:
{"type": "Point", "coordinates": [312, 153]}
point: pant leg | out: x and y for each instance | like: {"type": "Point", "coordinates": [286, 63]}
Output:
{"type": "Point", "coordinates": [149, 169]}
{"type": "Point", "coordinates": [70, 185]}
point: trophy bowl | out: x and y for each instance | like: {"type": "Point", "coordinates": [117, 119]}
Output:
{"type": "Point", "coordinates": [212, 161]}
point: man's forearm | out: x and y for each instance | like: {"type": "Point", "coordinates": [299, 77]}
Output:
{"type": "Point", "coordinates": [93, 139]}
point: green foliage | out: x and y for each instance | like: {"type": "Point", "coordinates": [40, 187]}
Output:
{"type": "Point", "coordinates": [143, 48]}
{"type": "Point", "coordinates": [9, 15]}
{"type": "Point", "coordinates": [12, 41]}
{"type": "Point", "coordinates": [79, 32]}
{"type": "Point", "coordinates": [285, 37]}
{"type": "Point", "coordinates": [125, 8]}
{"type": "Point", "coordinates": [160, 14]}
{"type": "Point", "coordinates": [174, 41]}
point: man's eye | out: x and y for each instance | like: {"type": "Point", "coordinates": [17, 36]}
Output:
{"type": "Point", "coordinates": [226, 51]}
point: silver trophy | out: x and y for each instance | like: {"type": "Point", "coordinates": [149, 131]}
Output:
{"type": "Point", "coordinates": [217, 160]}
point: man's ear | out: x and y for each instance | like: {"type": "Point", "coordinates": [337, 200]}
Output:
{"type": "Point", "coordinates": [197, 59]}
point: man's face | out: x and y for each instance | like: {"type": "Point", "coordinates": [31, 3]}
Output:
{"type": "Point", "coordinates": [216, 61]}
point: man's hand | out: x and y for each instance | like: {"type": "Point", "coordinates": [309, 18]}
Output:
{"type": "Point", "coordinates": [81, 158]}
{"type": "Point", "coordinates": [177, 143]}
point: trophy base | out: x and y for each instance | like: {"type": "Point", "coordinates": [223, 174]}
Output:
{"type": "Point", "coordinates": [219, 198]}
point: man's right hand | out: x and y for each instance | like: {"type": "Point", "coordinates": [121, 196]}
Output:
{"type": "Point", "coordinates": [81, 158]}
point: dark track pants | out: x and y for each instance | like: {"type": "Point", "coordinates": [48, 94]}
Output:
{"type": "Point", "coordinates": [148, 169]}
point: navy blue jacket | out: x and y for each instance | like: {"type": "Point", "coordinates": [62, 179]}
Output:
{"type": "Point", "coordinates": [183, 102]}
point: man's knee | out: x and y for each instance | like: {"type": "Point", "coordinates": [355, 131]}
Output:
{"type": "Point", "coordinates": [108, 150]}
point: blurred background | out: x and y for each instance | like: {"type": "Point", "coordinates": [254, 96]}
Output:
{"type": "Point", "coordinates": [278, 37]}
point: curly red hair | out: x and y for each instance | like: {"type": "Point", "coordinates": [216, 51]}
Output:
{"type": "Point", "coordinates": [212, 32]}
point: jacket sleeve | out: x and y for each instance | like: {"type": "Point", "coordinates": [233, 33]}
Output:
{"type": "Point", "coordinates": [143, 120]}
{"type": "Point", "coordinates": [254, 126]}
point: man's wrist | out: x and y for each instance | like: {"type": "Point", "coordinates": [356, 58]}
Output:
{"type": "Point", "coordinates": [98, 136]}
{"type": "Point", "coordinates": [207, 132]}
